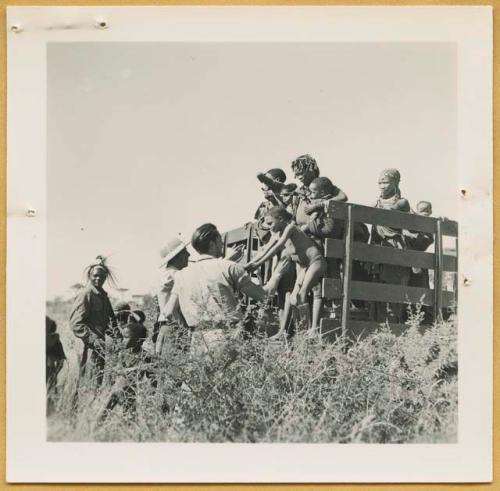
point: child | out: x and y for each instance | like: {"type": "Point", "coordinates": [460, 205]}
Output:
{"type": "Point", "coordinates": [390, 199]}
{"type": "Point", "coordinates": [122, 313]}
{"type": "Point", "coordinates": [289, 197]}
{"type": "Point", "coordinates": [133, 365]}
{"type": "Point", "coordinates": [419, 241]}
{"type": "Point", "coordinates": [310, 263]}
{"type": "Point", "coordinates": [273, 181]}
{"type": "Point", "coordinates": [54, 360]}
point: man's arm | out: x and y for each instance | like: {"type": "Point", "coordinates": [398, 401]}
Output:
{"type": "Point", "coordinates": [260, 293]}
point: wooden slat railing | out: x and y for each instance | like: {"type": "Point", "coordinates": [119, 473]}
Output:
{"type": "Point", "coordinates": [348, 250]}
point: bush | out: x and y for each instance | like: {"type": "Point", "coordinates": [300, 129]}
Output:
{"type": "Point", "coordinates": [379, 389]}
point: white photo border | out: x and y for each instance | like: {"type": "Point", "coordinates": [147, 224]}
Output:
{"type": "Point", "coordinates": [30, 458]}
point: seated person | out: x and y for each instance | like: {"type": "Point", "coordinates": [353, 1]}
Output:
{"type": "Point", "coordinates": [289, 197]}
{"type": "Point", "coordinates": [134, 365]}
{"type": "Point", "coordinates": [272, 182]}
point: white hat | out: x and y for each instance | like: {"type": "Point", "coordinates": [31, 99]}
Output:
{"type": "Point", "coordinates": [170, 250]}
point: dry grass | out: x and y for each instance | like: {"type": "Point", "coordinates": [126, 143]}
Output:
{"type": "Point", "coordinates": [381, 389]}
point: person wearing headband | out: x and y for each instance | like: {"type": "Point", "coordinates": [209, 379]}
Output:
{"type": "Point", "coordinates": [389, 199]}
{"type": "Point", "coordinates": [92, 319]}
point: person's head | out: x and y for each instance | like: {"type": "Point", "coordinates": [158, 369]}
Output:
{"type": "Point", "coordinates": [320, 187]}
{"type": "Point", "coordinates": [305, 169]}
{"type": "Point", "coordinates": [99, 272]}
{"type": "Point", "coordinates": [133, 335]}
{"type": "Point", "coordinates": [174, 253]}
{"type": "Point", "coordinates": [274, 178]}
{"type": "Point", "coordinates": [138, 316]}
{"type": "Point", "coordinates": [388, 183]}
{"type": "Point", "coordinates": [122, 312]}
{"type": "Point", "coordinates": [424, 208]}
{"type": "Point", "coordinates": [287, 193]}
{"type": "Point", "coordinates": [277, 218]}
{"type": "Point", "coordinates": [206, 239]}
{"type": "Point", "coordinates": [50, 325]}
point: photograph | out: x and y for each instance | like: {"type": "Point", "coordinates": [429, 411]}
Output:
{"type": "Point", "coordinates": [248, 243]}
{"type": "Point", "coordinates": [255, 234]}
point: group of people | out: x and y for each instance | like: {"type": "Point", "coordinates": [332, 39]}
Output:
{"type": "Point", "coordinates": [204, 295]}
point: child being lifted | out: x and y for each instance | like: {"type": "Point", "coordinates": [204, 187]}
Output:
{"type": "Point", "coordinates": [304, 251]}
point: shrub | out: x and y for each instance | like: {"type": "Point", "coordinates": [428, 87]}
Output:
{"type": "Point", "coordinates": [379, 389]}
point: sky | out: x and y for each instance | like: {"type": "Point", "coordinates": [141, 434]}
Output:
{"type": "Point", "coordinates": [146, 141]}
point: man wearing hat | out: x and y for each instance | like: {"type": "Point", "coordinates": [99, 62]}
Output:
{"type": "Point", "coordinates": [173, 257]}
{"type": "Point", "coordinates": [273, 180]}
{"type": "Point", "coordinates": [207, 290]}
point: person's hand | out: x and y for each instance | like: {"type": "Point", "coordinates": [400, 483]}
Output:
{"type": "Point", "coordinates": [282, 265]}
{"type": "Point", "coordinates": [250, 267]}
{"type": "Point", "coordinates": [312, 207]}
{"type": "Point", "coordinates": [409, 235]}
{"type": "Point", "coordinates": [235, 254]}
{"type": "Point", "coordinates": [98, 344]}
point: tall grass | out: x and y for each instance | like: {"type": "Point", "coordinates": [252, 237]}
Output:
{"type": "Point", "coordinates": [381, 389]}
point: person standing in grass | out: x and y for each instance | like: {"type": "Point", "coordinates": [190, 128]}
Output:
{"type": "Point", "coordinates": [390, 199]}
{"type": "Point", "coordinates": [93, 321]}
{"type": "Point", "coordinates": [54, 360]}
{"type": "Point", "coordinates": [174, 258]}
{"type": "Point", "coordinates": [208, 290]}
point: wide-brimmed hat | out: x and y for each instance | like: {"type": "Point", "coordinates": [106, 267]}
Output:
{"type": "Point", "coordinates": [170, 250]}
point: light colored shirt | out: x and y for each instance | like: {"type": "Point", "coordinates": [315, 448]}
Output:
{"type": "Point", "coordinates": [165, 289]}
{"type": "Point", "coordinates": [207, 291]}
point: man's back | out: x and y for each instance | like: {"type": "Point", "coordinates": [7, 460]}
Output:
{"type": "Point", "coordinates": [207, 291]}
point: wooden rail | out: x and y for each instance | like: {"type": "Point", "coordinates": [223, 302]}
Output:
{"type": "Point", "coordinates": [344, 290]}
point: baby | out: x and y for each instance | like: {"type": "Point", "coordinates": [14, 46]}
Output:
{"type": "Point", "coordinates": [320, 225]}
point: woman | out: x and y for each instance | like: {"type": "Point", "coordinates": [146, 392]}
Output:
{"type": "Point", "coordinates": [306, 170]}
{"type": "Point", "coordinates": [92, 319]}
{"type": "Point", "coordinates": [390, 199]}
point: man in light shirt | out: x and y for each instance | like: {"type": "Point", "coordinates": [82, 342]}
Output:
{"type": "Point", "coordinates": [207, 290]}
{"type": "Point", "coordinates": [174, 257]}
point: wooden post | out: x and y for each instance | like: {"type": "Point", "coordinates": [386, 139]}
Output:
{"type": "Point", "coordinates": [438, 273]}
{"type": "Point", "coordinates": [346, 282]}
{"type": "Point", "coordinates": [249, 243]}
{"type": "Point", "coordinates": [224, 245]}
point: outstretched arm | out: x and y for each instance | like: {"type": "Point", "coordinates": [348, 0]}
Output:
{"type": "Point", "coordinates": [271, 243]}
{"type": "Point", "coordinates": [274, 249]}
